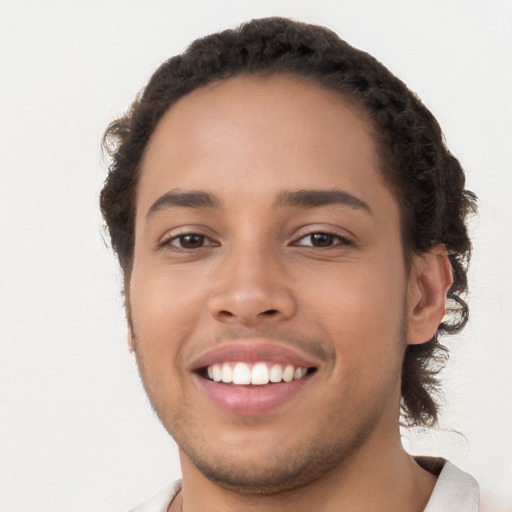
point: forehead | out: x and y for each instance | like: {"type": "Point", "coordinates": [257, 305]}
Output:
{"type": "Point", "coordinates": [255, 136]}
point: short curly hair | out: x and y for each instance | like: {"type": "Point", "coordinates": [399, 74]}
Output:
{"type": "Point", "coordinates": [426, 179]}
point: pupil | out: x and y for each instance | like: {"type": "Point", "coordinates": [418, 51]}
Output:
{"type": "Point", "coordinates": [192, 241]}
{"type": "Point", "coordinates": [322, 239]}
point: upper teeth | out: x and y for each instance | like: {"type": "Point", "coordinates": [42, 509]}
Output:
{"type": "Point", "coordinates": [258, 375]}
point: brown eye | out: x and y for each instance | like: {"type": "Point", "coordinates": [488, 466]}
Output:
{"type": "Point", "coordinates": [321, 239]}
{"type": "Point", "coordinates": [190, 241]}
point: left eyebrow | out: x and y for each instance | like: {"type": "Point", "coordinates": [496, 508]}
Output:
{"type": "Point", "coordinates": [317, 198]}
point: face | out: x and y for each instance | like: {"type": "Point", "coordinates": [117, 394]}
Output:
{"type": "Point", "coordinates": [268, 292]}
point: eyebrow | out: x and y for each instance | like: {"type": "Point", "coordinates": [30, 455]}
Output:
{"type": "Point", "coordinates": [287, 198]}
{"type": "Point", "coordinates": [317, 198]}
{"type": "Point", "coordinates": [192, 199]}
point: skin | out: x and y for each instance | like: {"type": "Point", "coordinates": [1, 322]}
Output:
{"type": "Point", "coordinates": [349, 307]}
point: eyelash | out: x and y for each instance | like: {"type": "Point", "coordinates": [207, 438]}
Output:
{"type": "Point", "coordinates": [329, 236]}
{"type": "Point", "coordinates": [167, 243]}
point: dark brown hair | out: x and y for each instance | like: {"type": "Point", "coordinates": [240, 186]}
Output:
{"type": "Point", "coordinates": [428, 182]}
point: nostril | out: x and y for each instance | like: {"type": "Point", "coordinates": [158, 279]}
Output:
{"type": "Point", "coordinates": [269, 312]}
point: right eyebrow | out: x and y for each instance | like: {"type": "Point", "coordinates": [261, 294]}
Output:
{"type": "Point", "coordinates": [317, 198]}
{"type": "Point", "coordinates": [190, 199]}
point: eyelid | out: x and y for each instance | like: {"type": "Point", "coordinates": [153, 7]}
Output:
{"type": "Point", "coordinates": [343, 236]}
{"type": "Point", "coordinates": [176, 233]}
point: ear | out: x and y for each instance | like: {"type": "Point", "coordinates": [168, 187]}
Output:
{"type": "Point", "coordinates": [429, 281]}
{"type": "Point", "coordinates": [128, 312]}
{"type": "Point", "coordinates": [130, 340]}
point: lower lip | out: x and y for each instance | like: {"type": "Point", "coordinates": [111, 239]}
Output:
{"type": "Point", "coordinates": [251, 400]}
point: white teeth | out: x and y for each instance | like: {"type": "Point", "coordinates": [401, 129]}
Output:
{"type": "Point", "coordinates": [241, 374]}
{"type": "Point", "coordinates": [288, 373]}
{"type": "Point", "coordinates": [299, 373]}
{"type": "Point", "coordinates": [259, 375]}
{"type": "Point", "coordinates": [227, 373]}
{"type": "Point", "coordinates": [217, 372]}
{"type": "Point", "coordinates": [276, 373]}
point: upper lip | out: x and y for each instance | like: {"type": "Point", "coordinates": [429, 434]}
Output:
{"type": "Point", "coordinates": [252, 350]}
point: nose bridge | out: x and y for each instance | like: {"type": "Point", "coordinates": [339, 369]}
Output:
{"type": "Point", "coordinates": [251, 283]}
{"type": "Point", "coordinates": [251, 256]}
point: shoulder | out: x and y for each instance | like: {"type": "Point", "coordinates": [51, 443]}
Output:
{"type": "Point", "coordinates": [161, 501]}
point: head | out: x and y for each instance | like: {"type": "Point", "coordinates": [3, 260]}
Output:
{"type": "Point", "coordinates": [424, 179]}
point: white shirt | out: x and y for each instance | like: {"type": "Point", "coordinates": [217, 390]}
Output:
{"type": "Point", "coordinates": [455, 491]}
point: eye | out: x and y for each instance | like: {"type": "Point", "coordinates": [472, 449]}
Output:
{"type": "Point", "coordinates": [321, 240]}
{"type": "Point", "coordinates": [188, 241]}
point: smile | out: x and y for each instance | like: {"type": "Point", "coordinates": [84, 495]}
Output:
{"type": "Point", "coordinates": [253, 376]}
{"type": "Point", "coordinates": [258, 374]}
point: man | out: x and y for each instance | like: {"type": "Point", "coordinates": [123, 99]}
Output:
{"type": "Point", "coordinates": [291, 229]}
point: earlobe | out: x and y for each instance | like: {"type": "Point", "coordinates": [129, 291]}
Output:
{"type": "Point", "coordinates": [130, 340]}
{"type": "Point", "coordinates": [429, 281]}
{"type": "Point", "coordinates": [128, 312]}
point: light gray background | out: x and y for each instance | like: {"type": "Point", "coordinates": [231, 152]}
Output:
{"type": "Point", "coordinates": [76, 431]}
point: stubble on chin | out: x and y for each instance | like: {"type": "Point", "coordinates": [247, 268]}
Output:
{"type": "Point", "coordinates": [283, 471]}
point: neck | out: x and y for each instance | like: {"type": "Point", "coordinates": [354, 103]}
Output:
{"type": "Point", "coordinates": [385, 480]}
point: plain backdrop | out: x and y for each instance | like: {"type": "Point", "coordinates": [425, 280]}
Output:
{"type": "Point", "coordinates": [76, 430]}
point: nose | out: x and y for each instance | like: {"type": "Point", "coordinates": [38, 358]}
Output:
{"type": "Point", "coordinates": [252, 287]}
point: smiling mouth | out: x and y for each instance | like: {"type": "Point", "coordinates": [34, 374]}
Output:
{"type": "Point", "coordinates": [257, 374]}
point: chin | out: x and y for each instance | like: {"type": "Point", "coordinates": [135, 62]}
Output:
{"type": "Point", "coordinates": [250, 478]}
{"type": "Point", "coordinates": [266, 472]}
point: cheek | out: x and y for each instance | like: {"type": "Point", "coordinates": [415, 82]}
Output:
{"type": "Point", "coordinates": [164, 307]}
{"type": "Point", "coordinates": [362, 311]}
{"type": "Point", "coordinates": [354, 294]}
